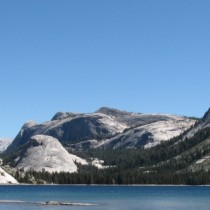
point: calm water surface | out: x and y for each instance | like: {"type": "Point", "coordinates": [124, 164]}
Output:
{"type": "Point", "coordinates": [108, 197]}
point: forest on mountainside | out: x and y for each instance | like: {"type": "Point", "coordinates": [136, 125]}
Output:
{"type": "Point", "coordinates": [170, 162]}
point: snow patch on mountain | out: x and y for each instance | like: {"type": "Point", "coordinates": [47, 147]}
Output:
{"type": "Point", "coordinates": [45, 153]}
{"type": "Point", "coordinates": [203, 159]}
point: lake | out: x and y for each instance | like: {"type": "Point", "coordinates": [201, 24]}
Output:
{"type": "Point", "coordinates": [105, 197]}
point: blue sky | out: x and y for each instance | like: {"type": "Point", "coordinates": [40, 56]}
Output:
{"type": "Point", "coordinates": [135, 55]}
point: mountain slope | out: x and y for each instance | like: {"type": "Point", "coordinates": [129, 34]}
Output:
{"type": "Point", "coordinates": [182, 160]}
{"type": "Point", "coordinates": [204, 123]}
{"type": "Point", "coordinates": [5, 178]}
{"type": "Point", "coordinates": [147, 135]}
{"type": "Point", "coordinates": [4, 143]}
{"type": "Point", "coordinates": [185, 159]}
{"type": "Point", "coordinates": [106, 128]}
{"type": "Point", "coordinates": [187, 153]}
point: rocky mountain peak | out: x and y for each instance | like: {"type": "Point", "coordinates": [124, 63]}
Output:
{"type": "Point", "coordinates": [105, 125]}
{"type": "Point", "coordinates": [63, 115]}
{"type": "Point", "coordinates": [111, 111]}
{"type": "Point", "coordinates": [29, 124]}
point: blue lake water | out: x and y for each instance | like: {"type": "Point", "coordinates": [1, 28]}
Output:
{"type": "Point", "coordinates": [107, 197]}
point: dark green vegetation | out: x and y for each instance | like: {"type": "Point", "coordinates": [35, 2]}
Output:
{"type": "Point", "coordinates": [171, 162]}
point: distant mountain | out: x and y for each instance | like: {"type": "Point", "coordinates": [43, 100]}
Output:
{"type": "Point", "coordinates": [106, 128]}
{"type": "Point", "coordinates": [45, 153]}
{"type": "Point", "coordinates": [163, 149]}
{"type": "Point", "coordinates": [185, 159]}
{"type": "Point", "coordinates": [143, 130]}
{"type": "Point", "coordinates": [4, 143]}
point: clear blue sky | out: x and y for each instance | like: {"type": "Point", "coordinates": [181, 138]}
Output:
{"type": "Point", "coordinates": [78, 55]}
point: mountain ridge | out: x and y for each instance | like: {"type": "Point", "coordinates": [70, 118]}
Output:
{"type": "Point", "coordinates": [104, 124]}
{"type": "Point", "coordinates": [158, 148]}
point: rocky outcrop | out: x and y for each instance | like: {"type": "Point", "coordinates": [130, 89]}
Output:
{"type": "Point", "coordinates": [5, 178]}
{"type": "Point", "coordinates": [45, 153]}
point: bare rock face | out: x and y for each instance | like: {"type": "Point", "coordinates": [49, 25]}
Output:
{"type": "Point", "coordinates": [206, 118]}
{"type": "Point", "coordinates": [45, 153]}
{"type": "Point", "coordinates": [71, 128]}
{"type": "Point", "coordinates": [202, 124]}
{"type": "Point", "coordinates": [29, 124]}
{"type": "Point", "coordinates": [105, 128]}
{"type": "Point", "coordinates": [64, 115]}
{"type": "Point", "coordinates": [147, 135]}
{"type": "Point", "coordinates": [5, 178]}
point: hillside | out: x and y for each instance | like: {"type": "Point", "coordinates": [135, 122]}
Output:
{"type": "Point", "coordinates": [105, 128]}
{"type": "Point", "coordinates": [182, 159]}
{"type": "Point", "coordinates": [185, 159]}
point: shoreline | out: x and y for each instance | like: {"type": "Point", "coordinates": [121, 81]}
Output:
{"type": "Point", "coordinates": [108, 185]}
{"type": "Point", "coordinates": [47, 203]}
